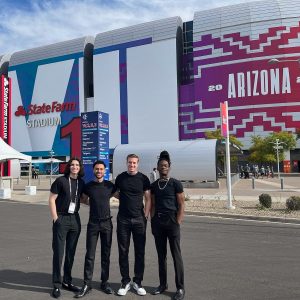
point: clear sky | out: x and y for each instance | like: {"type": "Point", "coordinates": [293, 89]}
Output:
{"type": "Point", "coordinates": [26, 24]}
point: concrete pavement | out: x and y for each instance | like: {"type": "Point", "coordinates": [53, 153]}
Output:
{"type": "Point", "coordinates": [223, 259]}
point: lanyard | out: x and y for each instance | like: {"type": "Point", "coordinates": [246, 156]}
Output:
{"type": "Point", "coordinates": [76, 192]}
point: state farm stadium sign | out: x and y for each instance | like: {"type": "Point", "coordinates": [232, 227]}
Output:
{"type": "Point", "coordinates": [35, 111]}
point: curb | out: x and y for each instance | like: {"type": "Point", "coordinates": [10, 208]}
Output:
{"type": "Point", "coordinates": [243, 217]}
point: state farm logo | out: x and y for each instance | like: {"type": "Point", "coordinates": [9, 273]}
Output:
{"type": "Point", "coordinates": [6, 82]}
{"type": "Point", "coordinates": [35, 109]}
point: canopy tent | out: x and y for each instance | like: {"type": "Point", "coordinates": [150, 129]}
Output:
{"type": "Point", "coordinates": [42, 161]}
{"type": "Point", "coordinates": [46, 161]}
{"type": "Point", "coordinates": [9, 153]}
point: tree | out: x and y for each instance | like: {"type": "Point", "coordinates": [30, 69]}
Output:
{"type": "Point", "coordinates": [217, 135]}
{"type": "Point", "coordinates": [263, 151]}
{"type": "Point", "coordinates": [221, 156]}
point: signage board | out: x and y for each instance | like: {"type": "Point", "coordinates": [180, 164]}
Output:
{"type": "Point", "coordinates": [94, 141]}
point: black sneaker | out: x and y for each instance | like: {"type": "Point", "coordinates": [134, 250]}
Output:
{"type": "Point", "coordinates": [70, 287]}
{"type": "Point", "coordinates": [83, 291]}
{"type": "Point", "coordinates": [179, 295]}
{"type": "Point", "coordinates": [105, 287]}
{"type": "Point", "coordinates": [160, 289]}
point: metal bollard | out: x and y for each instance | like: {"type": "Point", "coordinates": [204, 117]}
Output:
{"type": "Point", "coordinates": [281, 183]}
{"type": "Point", "coordinates": [253, 183]}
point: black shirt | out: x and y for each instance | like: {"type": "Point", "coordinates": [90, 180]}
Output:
{"type": "Point", "coordinates": [61, 187]}
{"type": "Point", "coordinates": [132, 188]}
{"type": "Point", "coordinates": [99, 194]}
{"type": "Point", "coordinates": [165, 194]}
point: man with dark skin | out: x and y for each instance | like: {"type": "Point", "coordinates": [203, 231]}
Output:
{"type": "Point", "coordinates": [97, 194]}
{"type": "Point", "coordinates": [167, 200]}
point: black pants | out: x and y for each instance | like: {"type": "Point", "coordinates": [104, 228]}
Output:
{"type": "Point", "coordinates": [165, 227]}
{"type": "Point", "coordinates": [136, 226]}
{"type": "Point", "coordinates": [95, 228]}
{"type": "Point", "coordinates": [66, 231]}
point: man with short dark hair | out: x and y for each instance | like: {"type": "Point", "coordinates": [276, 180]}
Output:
{"type": "Point", "coordinates": [132, 219]}
{"type": "Point", "coordinates": [97, 194]}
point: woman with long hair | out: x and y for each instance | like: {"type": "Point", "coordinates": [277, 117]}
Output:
{"type": "Point", "coordinates": [64, 203]}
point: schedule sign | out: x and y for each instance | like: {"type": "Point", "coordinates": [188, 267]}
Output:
{"type": "Point", "coordinates": [95, 141]}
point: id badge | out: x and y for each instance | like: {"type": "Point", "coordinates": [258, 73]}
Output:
{"type": "Point", "coordinates": [71, 208]}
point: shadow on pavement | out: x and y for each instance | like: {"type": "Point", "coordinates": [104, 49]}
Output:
{"type": "Point", "coordinates": [23, 281]}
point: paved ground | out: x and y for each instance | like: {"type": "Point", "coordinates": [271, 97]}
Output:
{"type": "Point", "coordinates": [224, 259]}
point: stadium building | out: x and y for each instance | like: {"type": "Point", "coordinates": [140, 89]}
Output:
{"type": "Point", "coordinates": [161, 81]}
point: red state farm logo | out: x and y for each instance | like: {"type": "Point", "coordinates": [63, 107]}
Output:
{"type": "Point", "coordinates": [20, 111]}
{"type": "Point", "coordinates": [54, 107]}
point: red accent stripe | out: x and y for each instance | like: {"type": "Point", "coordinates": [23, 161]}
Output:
{"type": "Point", "coordinates": [2, 107]}
{"type": "Point", "coordinates": [9, 123]}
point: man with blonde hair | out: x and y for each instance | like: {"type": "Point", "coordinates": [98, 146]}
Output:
{"type": "Point", "coordinates": [132, 186]}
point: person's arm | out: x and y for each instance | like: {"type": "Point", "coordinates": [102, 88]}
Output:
{"type": "Point", "coordinates": [84, 199]}
{"type": "Point", "coordinates": [147, 203]}
{"type": "Point", "coordinates": [52, 206]}
{"type": "Point", "coordinates": [180, 212]}
{"type": "Point", "coordinates": [152, 212]}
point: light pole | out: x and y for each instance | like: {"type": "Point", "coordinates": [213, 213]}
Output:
{"type": "Point", "coordinates": [51, 152]}
{"type": "Point", "coordinates": [277, 146]}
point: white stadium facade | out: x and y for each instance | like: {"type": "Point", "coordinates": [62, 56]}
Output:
{"type": "Point", "coordinates": [161, 81]}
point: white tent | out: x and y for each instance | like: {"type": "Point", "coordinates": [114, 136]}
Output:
{"type": "Point", "coordinates": [8, 153]}
{"type": "Point", "coordinates": [46, 161]}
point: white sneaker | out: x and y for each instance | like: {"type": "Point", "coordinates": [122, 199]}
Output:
{"type": "Point", "coordinates": [124, 288]}
{"type": "Point", "coordinates": [139, 289]}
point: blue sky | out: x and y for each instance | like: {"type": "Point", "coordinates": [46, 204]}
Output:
{"type": "Point", "coordinates": [27, 24]}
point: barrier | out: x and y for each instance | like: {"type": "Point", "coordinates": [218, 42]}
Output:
{"type": "Point", "coordinates": [5, 193]}
{"type": "Point", "coordinates": [30, 190]}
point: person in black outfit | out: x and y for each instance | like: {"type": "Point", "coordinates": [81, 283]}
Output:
{"type": "Point", "coordinates": [64, 203]}
{"type": "Point", "coordinates": [167, 200]}
{"type": "Point", "coordinates": [97, 194]}
{"type": "Point", "coordinates": [132, 219]}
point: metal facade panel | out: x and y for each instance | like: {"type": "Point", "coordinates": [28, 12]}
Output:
{"type": "Point", "coordinates": [152, 91]}
{"type": "Point", "coordinates": [50, 51]}
{"type": "Point", "coordinates": [157, 30]}
{"type": "Point", "coordinates": [4, 60]}
{"type": "Point", "coordinates": [186, 157]}
{"type": "Point", "coordinates": [251, 12]}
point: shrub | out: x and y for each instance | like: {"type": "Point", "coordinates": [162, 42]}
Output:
{"type": "Point", "coordinates": [293, 203]}
{"type": "Point", "coordinates": [265, 200]}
